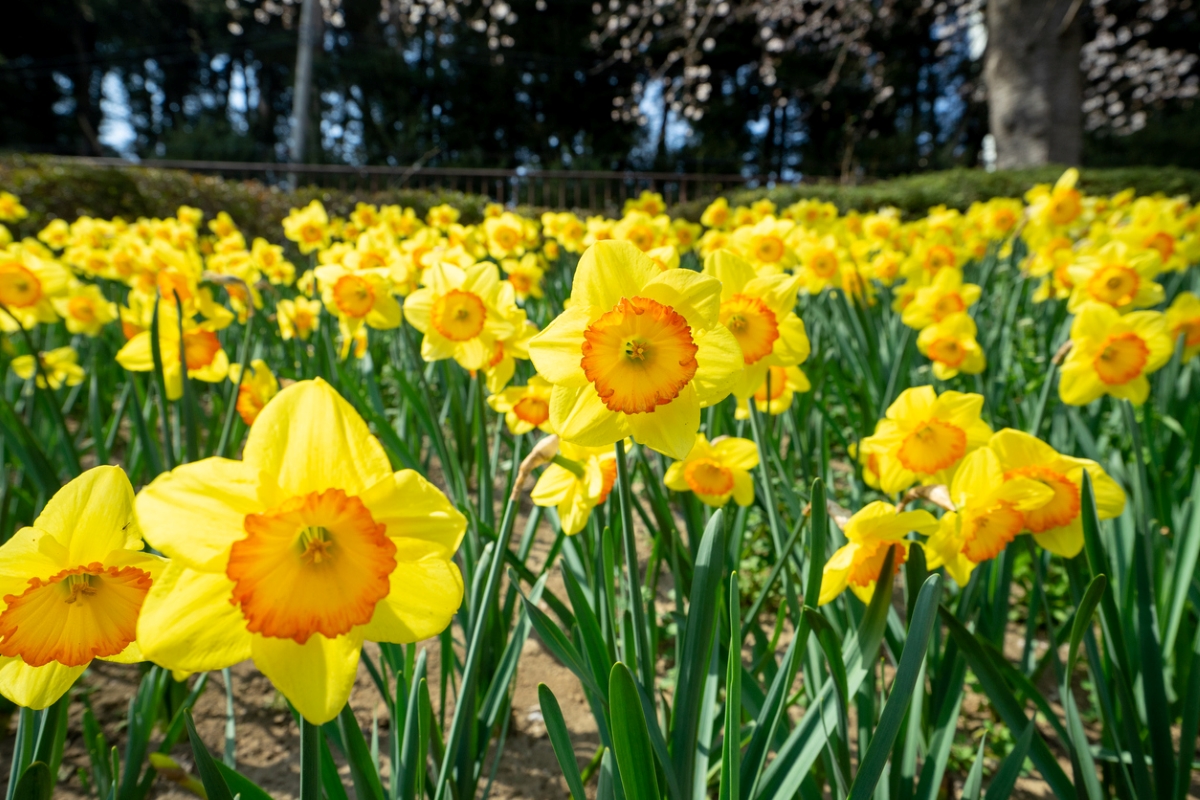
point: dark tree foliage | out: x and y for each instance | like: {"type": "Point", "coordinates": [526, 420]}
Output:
{"type": "Point", "coordinates": [185, 83]}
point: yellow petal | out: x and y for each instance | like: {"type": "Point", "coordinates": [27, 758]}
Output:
{"type": "Point", "coordinates": [1066, 541]}
{"type": "Point", "coordinates": [316, 676]}
{"type": "Point", "coordinates": [188, 622]}
{"type": "Point", "coordinates": [92, 515]}
{"type": "Point", "coordinates": [30, 553]}
{"type": "Point", "coordinates": [412, 508]}
{"type": "Point", "coordinates": [913, 405]}
{"type": "Point", "coordinates": [740, 454]}
{"type": "Point", "coordinates": [554, 486]}
{"type": "Point", "coordinates": [580, 416]}
{"type": "Point", "coordinates": [557, 351]}
{"type": "Point", "coordinates": [719, 359]}
{"type": "Point", "coordinates": [417, 308]}
{"type": "Point", "coordinates": [36, 687]}
{"type": "Point", "coordinates": [196, 512]}
{"type": "Point", "coordinates": [425, 594]}
{"type": "Point", "coordinates": [136, 355]}
{"type": "Point", "coordinates": [609, 270]}
{"type": "Point", "coordinates": [670, 429]}
{"type": "Point", "coordinates": [696, 297]}
{"type": "Point", "coordinates": [732, 271]}
{"type": "Point", "coordinates": [743, 488]}
{"type": "Point", "coordinates": [309, 439]}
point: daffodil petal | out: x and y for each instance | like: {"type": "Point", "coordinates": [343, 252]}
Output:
{"type": "Point", "coordinates": [316, 676]}
{"type": "Point", "coordinates": [188, 622]}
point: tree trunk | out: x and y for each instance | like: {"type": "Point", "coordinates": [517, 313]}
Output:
{"type": "Point", "coordinates": [310, 26]}
{"type": "Point", "coordinates": [1034, 84]}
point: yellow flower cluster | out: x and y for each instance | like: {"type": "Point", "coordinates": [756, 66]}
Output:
{"type": "Point", "coordinates": [993, 486]}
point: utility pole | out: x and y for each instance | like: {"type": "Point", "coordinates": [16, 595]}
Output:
{"type": "Point", "coordinates": [310, 25]}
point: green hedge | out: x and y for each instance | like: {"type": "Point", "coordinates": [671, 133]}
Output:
{"type": "Point", "coordinates": [958, 188]}
{"type": "Point", "coordinates": [52, 188]}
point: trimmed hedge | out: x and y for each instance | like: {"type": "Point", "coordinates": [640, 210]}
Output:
{"type": "Point", "coordinates": [958, 188]}
{"type": "Point", "coordinates": [52, 188]}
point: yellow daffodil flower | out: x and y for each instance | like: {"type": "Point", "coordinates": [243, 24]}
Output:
{"type": "Point", "coordinates": [1183, 319]}
{"type": "Point", "coordinates": [946, 295]}
{"type": "Point", "coordinates": [716, 215]}
{"type": "Point", "coordinates": [357, 298]}
{"type": "Point", "coordinates": [716, 472]}
{"type": "Point", "coordinates": [580, 479]}
{"type": "Point", "coordinates": [1112, 354]}
{"type": "Point", "coordinates": [820, 263]}
{"type": "Point", "coordinates": [765, 244]}
{"type": "Point", "coordinates": [463, 313]}
{"type": "Point", "coordinates": [1115, 276]}
{"type": "Point", "coordinates": [258, 386]}
{"type": "Point", "coordinates": [1056, 525]}
{"type": "Point", "coordinates": [991, 509]}
{"type": "Point", "coordinates": [505, 235]}
{"type": "Point", "coordinates": [639, 352]}
{"type": "Point", "coordinates": [85, 309]}
{"type": "Point", "coordinates": [944, 548]}
{"type": "Point", "coordinates": [298, 318]}
{"type": "Point", "coordinates": [760, 312]}
{"type": "Point", "coordinates": [442, 216]}
{"type": "Point", "coordinates": [524, 407]}
{"type": "Point", "coordinates": [951, 345]}
{"type": "Point", "coordinates": [269, 260]}
{"type": "Point", "coordinates": [206, 359]}
{"type": "Point", "coordinates": [11, 209]}
{"type": "Point", "coordinates": [308, 227]}
{"type": "Point", "coordinates": [298, 553]}
{"type": "Point", "coordinates": [72, 585]}
{"type": "Point", "coordinates": [775, 393]}
{"type": "Point", "coordinates": [642, 230]}
{"type": "Point", "coordinates": [871, 533]}
{"type": "Point", "coordinates": [60, 367]}
{"type": "Point", "coordinates": [1059, 206]}
{"type": "Point", "coordinates": [27, 286]}
{"type": "Point", "coordinates": [525, 275]}
{"type": "Point", "coordinates": [924, 437]}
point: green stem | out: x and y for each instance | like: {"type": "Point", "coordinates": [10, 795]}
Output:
{"type": "Point", "coordinates": [310, 760]}
{"type": "Point", "coordinates": [574, 467]}
{"type": "Point", "coordinates": [773, 521]}
{"type": "Point", "coordinates": [640, 644]}
{"type": "Point", "coordinates": [479, 616]}
{"type": "Point", "coordinates": [227, 425]}
{"type": "Point", "coordinates": [22, 750]}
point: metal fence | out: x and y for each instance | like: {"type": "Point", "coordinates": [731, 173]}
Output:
{"type": "Point", "coordinates": [591, 190]}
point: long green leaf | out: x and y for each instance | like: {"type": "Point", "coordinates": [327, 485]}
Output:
{"type": "Point", "coordinates": [1006, 776]}
{"type": "Point", "coordinates": [206, 765]}
{"type": "Point", "coordinates": [911, 658]}
{"type": "Point", "coordinates": [806, 741]}
{"type": "Point", "coordinates": [631, 740]}
{"type": "Point", "coordinates": [697, 646]}
{"type": "Point", "coordinates": [36, 783]}
{"type": "Point", "coordinates": [1114, 639]}
{"type": "Point", "coordinates": [731, 748]}
{"type": "Point", "coordinates": [1006, 704]}
{"type": "Point", "coordinates": [1081, 755]}
{"type": "Point", "coordinates": [560, 740]}
{"type": "Point", "coordinates": [1187, 550]}
{"type": "Point", "coordinates": [362, 768]}
{"type": "Point", "coordinates": [973, 785]}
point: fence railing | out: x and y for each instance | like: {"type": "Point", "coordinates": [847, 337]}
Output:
{"type": "Point", "coordinates": [592, 190]}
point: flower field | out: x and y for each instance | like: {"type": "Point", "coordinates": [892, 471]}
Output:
{"type": "Point", "coordinates": [791, 493]}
